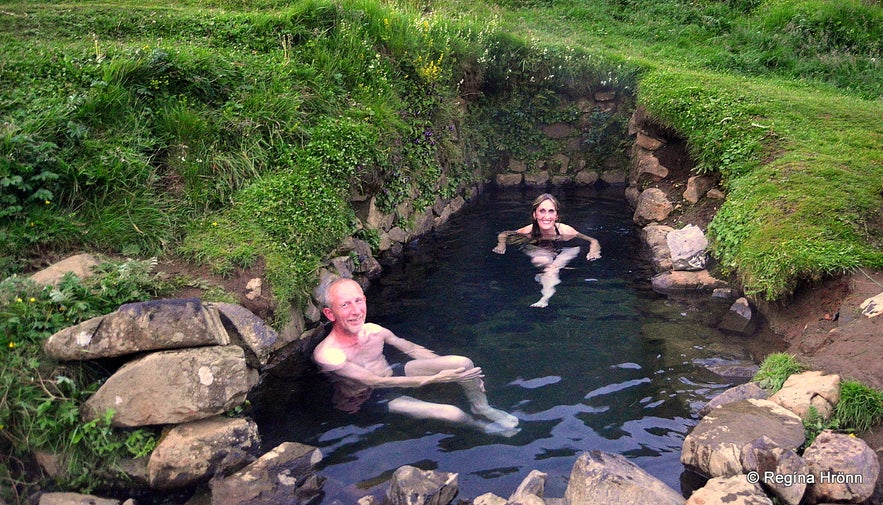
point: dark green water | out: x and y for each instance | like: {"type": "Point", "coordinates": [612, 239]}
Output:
{"type": "Point", "coordinates": [609, 365]}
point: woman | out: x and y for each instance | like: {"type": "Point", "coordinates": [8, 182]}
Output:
{"type": "Point", "coordinates": [546, 247]}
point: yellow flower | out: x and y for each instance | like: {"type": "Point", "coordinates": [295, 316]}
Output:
{"type": "Point", "coordinates": [32, 299]}
{"type": "Point", "coordinates": [47, 202]}
{"type": "Point", "coordinates": [12, 345]}
{"type": "Point", "coordinates": [852, 435]}
{"type": "Point", "coordinates": [214, 223]}
{"type": "Point", "coordinates": [19, 300]}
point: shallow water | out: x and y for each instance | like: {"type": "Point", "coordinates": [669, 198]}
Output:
{"type": "Point", "coordinates": [608, 365]}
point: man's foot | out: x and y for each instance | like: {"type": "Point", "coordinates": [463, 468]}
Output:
{"type": "Point", "coordinates": [497, 429]}
{"type": "Point", "coordinates": [497, 416]}
{"type": "Point", "coordinates": [540, 303]}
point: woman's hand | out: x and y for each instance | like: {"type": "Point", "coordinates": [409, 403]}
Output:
{"type": "Point", "coordinates": [500, 249]}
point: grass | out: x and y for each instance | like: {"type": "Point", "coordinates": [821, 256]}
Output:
{"type": "Point", "coordinates": [775, 369]}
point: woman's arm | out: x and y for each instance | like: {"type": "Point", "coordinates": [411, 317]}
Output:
{"type": "Point", "coordinates": [503, 235]}
{"type": "Point", "coordinates": [594, 245]}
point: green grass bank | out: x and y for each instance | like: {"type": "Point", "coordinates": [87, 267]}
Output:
{"type": "Point", "coordinates": [236, 132]}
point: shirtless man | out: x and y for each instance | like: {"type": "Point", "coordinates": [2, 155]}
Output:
{"type": "Point", "coordinates": [352, 354]}
{"type": "Point", "coordinates": [547, 248]}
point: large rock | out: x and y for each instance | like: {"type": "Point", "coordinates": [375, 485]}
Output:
{"type": "Point", "coordinates": [654, 236]}
{"type": "Point", "coordinates": [844, 468]}
{"type": "Point", "coordinates": [688, 248]}
{"type": "Point", "coordinates": [80, 265]}
{"type": "Point", "coordinates": [653, 206]}
{"type": "Point", "coordinates": [809, 390]}
{"type": "Point", "coordinates": [680, 281]}
{"type": "Point", "coordinates": [740, 318]}
{"type": "Point", "coordinates": [781, 471]}
{"type": "Point", "coordinates": [413, 486]}
{"type": "Point", "coordinates": [194, 452]}
{"type": "Point", "coordinates": [602, 478]}
{"type": "Point", "coordinates": [531, 490]}
{"type": "Point", "coordinates": [74, 499]}
{"type": "Point", "coordinates": [249, 331]}
{"type": "Point", "coordinates": [138, 327]}
{"type": "Point", "coordinates": [714, 446]}
{"type": "Point", "coordinates": [697, 187]}
{"type": "Point", "coordinates": [284, 475]}
{"type": "Point", "coordinates": [749, 390]}
{"type": "Point", "coordinates": [172, 387]}
{"type": "Point", "coordinates": [733, 490]}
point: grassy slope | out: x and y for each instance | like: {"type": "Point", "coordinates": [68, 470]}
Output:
{"type": "Point", "coordinates": [801, 159]}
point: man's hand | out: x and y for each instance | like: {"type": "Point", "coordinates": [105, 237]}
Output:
{"type": "Point", "coordinates": [500, 249]}
{"type": "Point", "coordinates": [593, 255]}
{"type": "Point", "coordinates": [456, 375]}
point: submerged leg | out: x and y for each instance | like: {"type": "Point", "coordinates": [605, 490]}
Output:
{"type": "Point", "coordinates": [549, 278]}
{"type": "Point", "coordinates": [419, 409]}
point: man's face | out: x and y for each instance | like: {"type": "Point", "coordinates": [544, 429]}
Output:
{"type": "Point", "coordinates": [347, 307]}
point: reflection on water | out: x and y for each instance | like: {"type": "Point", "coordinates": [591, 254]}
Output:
{"type": "Point", "coordinates": [608, 365]}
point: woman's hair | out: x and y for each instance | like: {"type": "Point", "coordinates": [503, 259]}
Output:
{"type": "Point", "coordinates": [535, 230]}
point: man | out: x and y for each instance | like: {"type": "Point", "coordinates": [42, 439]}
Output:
{"type": "Point", "coordinates": [352, 354]}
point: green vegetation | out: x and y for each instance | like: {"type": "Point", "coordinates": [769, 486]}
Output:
{"type": "Point", "coordinates": [775, 370]}
{"type": "Point", "coordinates": [40, 401]}
{"type": "Point", "coordinates": [236, 132]}
{"type": "Point", "coordinates": [860, 407]}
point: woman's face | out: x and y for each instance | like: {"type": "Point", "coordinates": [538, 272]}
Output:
{"type": "Point", "coordinates": [546, 214]}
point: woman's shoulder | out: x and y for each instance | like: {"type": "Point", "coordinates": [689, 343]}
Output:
{"type": "Point", "coordinates": [566, 229]}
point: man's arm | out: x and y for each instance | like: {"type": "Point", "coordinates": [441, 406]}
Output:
{"type": "Point", "coordinates": [363, 376]}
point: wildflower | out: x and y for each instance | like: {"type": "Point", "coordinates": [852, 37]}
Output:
{"type": "Point", "coordinates": [47, 202]}
{"type": "Point", "coordinates": [19, 300]}
{"type": "Point", "coordinates": [32, 299]}
{"type": "Point", "coordinates": [12, 345]}
{"type": "Point", "coordinates": [214, 223]}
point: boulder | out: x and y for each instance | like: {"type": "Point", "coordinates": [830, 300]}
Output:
{"type": "Point", "coordinates": [74, 499]}
{"type": "Point", "coordinates": [653, 206]}
{"type": "Point", "coordinates": [812, 389]}
{"type": "Point", "coordinates": [739, 319]}
{"type": "Point", "coordinates": [80, 265]}
{"type": "Point", "coordinates": [413, 486]}
{"type": "Point", "coordinates": [489, 499]}
{"type": "Point", "coordinates": [713, 448]}
{"type": "Point", "coordinates": [648, 169]}
{"type": "Point", "coordinates": [586, 177]}
{"type": "Point", "coordinates": [781, 471]}
{"type": "Point", "coordinates": [172, 387]}
{"type": "Point", "coordinates": [697, 187]}
{"type": "Point", "coordinates": [873, 306]}
{"type": "Point", "coordinates": [654, 236]}
{"type": "Point", "coordinates": [733, 490]}
{"type": "Point", "coordinates": [680, 281]}
{"type": "Point", "coordinates": [284, 475]}
{"type": "Point", "coordinates": [602, 478]}
{"type": "Point", "coordinates": [138, 327]}
{"type": "Point", "coordinates": [506, 180]}
{"type": "Point", "coordinates": [531, 490]}
{"type": "Point", "coordinates": [249, 331]}
{"type": "Point", "coordinates": [749, 390]}
{"type": "Point", "coordinates": [196, 451]}
{"type": "Point", "coordinates": [844, 468]}
{"type": "Point", "coordinates": [540, 178]}
{"type": "Point", "coordinates": [688, 248]}
{"type": "Point", "coordinates": [647, 142]}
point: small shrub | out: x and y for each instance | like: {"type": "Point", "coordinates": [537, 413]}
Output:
{"type": "Point", "coordinates": [775, 370]}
